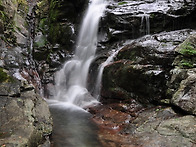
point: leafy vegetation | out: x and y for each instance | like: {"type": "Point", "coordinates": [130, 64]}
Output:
{"type": "Point", "coordinates": [188, 49]}
{"type": "Point", "coordinates": [122, 3]}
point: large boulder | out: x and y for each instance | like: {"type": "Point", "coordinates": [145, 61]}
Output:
{"type": "Point", "coordinates": [183, 81]}
{"type": "Point", "coordinates": [142, 68]}
{"type": "Point", "coordinates": [25, 117]}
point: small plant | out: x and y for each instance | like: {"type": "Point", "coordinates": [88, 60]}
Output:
{"type": "Point", "coordinates": [188, 49]}
{"type": "Point", "coordinates": [122, 3]}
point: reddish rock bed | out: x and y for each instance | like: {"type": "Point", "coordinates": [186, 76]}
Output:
{"type": "Point", "coordinates": [131, 125]}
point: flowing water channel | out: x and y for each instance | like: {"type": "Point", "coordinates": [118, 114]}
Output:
{"type": "Point", "coordinates": [71, 80]}
{"type": "Point", "coordinates": [72, 124]}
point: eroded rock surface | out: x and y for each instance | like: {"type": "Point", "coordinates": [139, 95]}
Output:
{"type": "Point", "coordinates": [25, 117]}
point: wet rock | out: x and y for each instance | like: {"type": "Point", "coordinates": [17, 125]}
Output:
{"type": "Point", "coordinates": [169, 131]}
{"type": "Point", "coordinates": [155, 126]}
{"type": "Point", "coordinates": [187, 51]}
{"type": "Point", "coordinates": [184, 97]}
{"type": "Point", "coordinates": [122, 80]}
{"type": "Point", "coordinates": [181, 87]}
{"type": "Point", "coordinates": [131, 19]}
{"type": "Point", "coordinates": [142, 68]}
{"type": "Point", "coordinates": [15, 30]}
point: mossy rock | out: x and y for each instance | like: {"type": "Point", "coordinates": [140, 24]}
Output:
{"type": "Point", "coordinates": [4, 77]}
{"type": "Point", "coordinates": [187, 53]}
{"type": "Point", "coordinates": [184, 62]}
{"type": "Point", "coordinates": [188, 47]}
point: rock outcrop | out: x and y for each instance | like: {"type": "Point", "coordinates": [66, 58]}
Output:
{"type": "Point", "coordinates": [132, 19]}
{"type": "Point", "coordinates": [183, 81]}
{"type": "Point", "coordinates": [25, 117]}
{"type": "Point", "coordinates": [149, 89]}
{"type": "Point", "coordinates": [142, 68]}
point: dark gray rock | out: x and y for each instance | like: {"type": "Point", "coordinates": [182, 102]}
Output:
{"type": "Point", "coordinates": [132, 19]}
{"type": "Point", "coordinates": [142, 68]}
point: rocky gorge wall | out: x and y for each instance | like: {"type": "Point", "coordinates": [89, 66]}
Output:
{"type": "Point", "coordinates": [24, 115]}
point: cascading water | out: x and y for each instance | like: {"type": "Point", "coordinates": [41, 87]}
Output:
{"type": "Point", "coordinates": [96, 92]}
{"type": "Point", "coordinates": [71, 79]}
{"type": "Point", "coordinates": [145, 24]}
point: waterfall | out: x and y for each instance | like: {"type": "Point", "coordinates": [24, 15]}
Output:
{"type": "Point", "coordinates": [145, 24]}
{"type": "Point", "coordinates": [71, 80]}
{"type": "Point", "coordinates": [96, 93]}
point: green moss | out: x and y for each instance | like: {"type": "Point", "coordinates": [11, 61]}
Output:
{"type": "Point", "coordinates": [54, 33]}
{"type": "Point", "coordinates": [4, 77]}
{"type": "Point", "coordinates": [53, 14]}
{"type": "Point", "coordinates": [152, 16]}
{"type": "Point", "coordinates": [185, 63]}
{"type": "Point", "coordinates": [2, 15]}
{"type": "Point", "coordinates": [188, 49]}
{"type": "Point", "coordinates": [122, 3]}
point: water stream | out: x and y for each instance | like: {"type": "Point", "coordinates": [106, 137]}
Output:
{"type": "Point", "coordinates": [97, 90]}
{"type": "Point", "coordinates": [145, 24]}
{"type": "Point", "coordinates": [71, 80]}
{"type": "Point", "coordinates": [72, 127]}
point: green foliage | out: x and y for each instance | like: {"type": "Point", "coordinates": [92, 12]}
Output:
{"type": "Point", "coordinates": [54, 33]}
{"type": "Point", "coordinates": [152, 16]}
{"type": "Point", "coordinates": [186, 64]}
{"type": "Point", "coordinates": [22, 2]}
{"type": "Point", "coordinates": [188, 49]}
{"type": "Point", "coordinates": [53, 11]}
{"type": "Point", "coordinates": [2, 15]}
{"type": "Point", "coordinates": [122, 3]}
{"type": "Point", "coordinates": [4, 77]}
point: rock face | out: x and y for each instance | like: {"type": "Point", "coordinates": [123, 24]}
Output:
{"type": "Point", "coordinates": [131, 19]}
{"type": "Point", "coordinates": [130, 125]}
{"type": "Point", "coordinates": [25, 117]}
{"type": "Point", "coordinates": [142, 68]}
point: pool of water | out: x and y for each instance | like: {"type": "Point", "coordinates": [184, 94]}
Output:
{"type": "Point", "coordinates": [73, 128]}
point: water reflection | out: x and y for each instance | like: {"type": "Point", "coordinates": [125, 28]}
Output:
{"type": "Point", "coordinates": [73, 128]}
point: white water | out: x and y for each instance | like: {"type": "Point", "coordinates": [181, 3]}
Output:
{"type": "Point", "coordinates": [72, 78]}
{"type": "Point", "coordinates": [145, 24]}
{"type": "Point", "coordinates": [99, 76]}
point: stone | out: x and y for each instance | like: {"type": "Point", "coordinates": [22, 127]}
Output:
{"type": "Point", "coordinates": [24, 121]}
{"type": "Point", "coordinates": [131, 125]}
{"type": "Point", "coordinates": [132, 19]}
{"type": "Point", "coordinates": [187, 51]}
{"type": "Point", "coordinates": [185, 96]}
{"type": "Point", "coordinates": [25, 116]}
{"type": "Point", "coordinates": [142, 68]}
